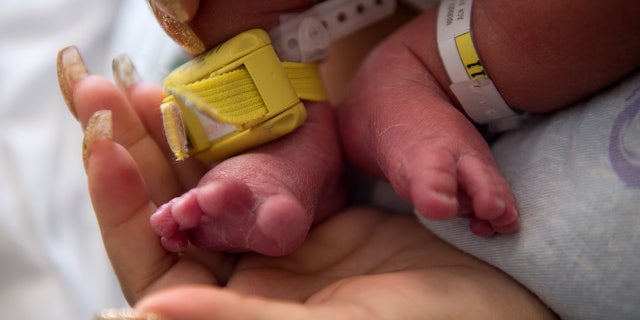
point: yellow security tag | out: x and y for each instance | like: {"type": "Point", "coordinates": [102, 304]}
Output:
{"type": "Point", "coordinates": [236, 96]}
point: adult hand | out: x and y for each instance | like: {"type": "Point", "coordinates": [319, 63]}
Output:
{"type": "Point", "coordinates": [360, 264]}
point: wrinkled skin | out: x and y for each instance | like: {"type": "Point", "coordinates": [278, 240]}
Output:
{"type": "Point", "coordinates": [397, 122]}
{"type": "Point", "coordinates": [266, 201]}
{"type": "Point", "coordinates": [359, 264]}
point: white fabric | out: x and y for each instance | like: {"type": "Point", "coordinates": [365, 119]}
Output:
{"type": "Point", "coordinates": [52, 261]}
{"type": "Point", "coordinates": [576, 175]}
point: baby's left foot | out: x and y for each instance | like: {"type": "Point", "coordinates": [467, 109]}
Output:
{"type": "Point", "coordinates": [264, 200]}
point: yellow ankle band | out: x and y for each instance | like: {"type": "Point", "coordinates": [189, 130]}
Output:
{"type": "Point", "coordinates": [236, 96]}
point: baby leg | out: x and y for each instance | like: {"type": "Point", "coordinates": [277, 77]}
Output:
{"type": "Point", "coordinates": [397, 122]}
{"type": "Point", "coordinates": [264, 200]}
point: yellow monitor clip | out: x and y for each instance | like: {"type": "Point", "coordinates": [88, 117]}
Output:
{"type": "Point", "coordinates": [236, 96]}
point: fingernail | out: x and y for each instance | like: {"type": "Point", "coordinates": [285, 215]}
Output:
{"type": "Point", "coordinates": [173, 8]}
{"type": "Point", "coordinates": [124, 72]}
{"type": "Point", "coordinates": [70, 70]}
{"type": "Point", "coordinates": [99, 127]}
{"type": "Point", "coordinates": [174, 130]}
{"type": "Point", "coordinates": [125, 314]}
{"type": "Point", "coordinates": [180, 32]}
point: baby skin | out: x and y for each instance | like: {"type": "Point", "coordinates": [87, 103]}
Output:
{"type": "Point", "coordinates": [398, 121]}
{"type": "Point", "coordinates": [263, 200]}
{"type": "Point", "coordinates": [266, 199]}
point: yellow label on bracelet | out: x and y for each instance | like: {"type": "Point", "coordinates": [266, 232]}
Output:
{"type": "Point", "coordinates": [469, 56]}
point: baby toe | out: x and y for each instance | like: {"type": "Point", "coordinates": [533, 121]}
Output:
{"type": "Point", "coordinates": [177, 242]}
{"type": "Point", "coordinates": [508, 222]}
{"type": "Point", "coordinates": [490, 195]}
{"type": "Point", "coordinates": [282, 225]}
{"type": "Point", "coordinates": [481, 228]}
{"type": "Point", "coordinates": [433, 183]}
{"type": "Point", "coordinates": [186, 211]}
{"type": "Point", "coordinates": [162, 221]}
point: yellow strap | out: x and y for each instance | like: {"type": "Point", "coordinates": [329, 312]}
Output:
{"type": "Point", "coordinates": [236, 96]}
{"type": "Point", "coordinates": [306, 80]}
{"type": "Point", "coordinates": [233, 98]}
{"type": "Point", "coordinates": [230, 97]}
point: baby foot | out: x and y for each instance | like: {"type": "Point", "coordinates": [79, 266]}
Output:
{"type": "Point", "coordinates": [225, 215]}
{"type": "Point", "coordinates": [264, 200]}
{"type": "Point", "coordinates": [398, 123]}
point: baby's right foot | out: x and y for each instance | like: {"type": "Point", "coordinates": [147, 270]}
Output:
{"type": "Point", "coordinates": [398, 123]}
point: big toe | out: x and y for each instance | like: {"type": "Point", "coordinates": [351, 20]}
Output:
{"type": "Point", "coordinates": [282, 224]}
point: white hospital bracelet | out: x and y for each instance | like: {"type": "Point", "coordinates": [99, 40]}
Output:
{"type": "Point", "coordinates": [469, 81]}
{"type": "Point", "coordinates": [305, 36]}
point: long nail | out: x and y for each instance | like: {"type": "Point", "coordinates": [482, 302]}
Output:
{"type": "Point", "coordinates": [173, 8]}
{"type": "Point", "coordinates": [124, 72]}
{"type": "Point", "coordinates": [180, 32]}
{"type": "Point", "coordinates": [174, 130]}
{"type": "Point", "coordinates": [71, 69]}
{"type": "Point", "coordinates": [99, 127]}
{"type": "Point", "coordinates": [125, 314]}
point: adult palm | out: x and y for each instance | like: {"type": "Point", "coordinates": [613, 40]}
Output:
{"type": "Point", "coordinates": [361, 263]}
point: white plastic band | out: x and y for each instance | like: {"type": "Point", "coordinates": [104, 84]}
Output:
{"type": "Point", "coordinates": [306, 36]}
{"type": "Point", "coordinates": [469, 81]}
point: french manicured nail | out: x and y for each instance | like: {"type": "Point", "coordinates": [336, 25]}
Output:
{"type": "Point", "coordinates": [174, 130]}
{"type": "Point", "coordinates": [124, 72]}
{"type": "Point", "coordinates": [179, 31]}
{"type": "Point", "coordinates": [173, 8]}
{"type": "Point", "coordinates": [99, 127]}
{"type": "Point", "coordinates": [125, 314]}
{"type": "Point", "coordinates": [70, 69]}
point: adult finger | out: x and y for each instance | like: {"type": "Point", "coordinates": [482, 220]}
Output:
{"type": "Point", "coordinates": [123, 206]}
{"type": "Point", "coordinates": [87, 94]}
{"type": "Point", "coordinates": [200, 302]}
{"type": "Point", "coordinates": [145, 99]}
{"type": "Point", "coordinates": [181, 10]}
